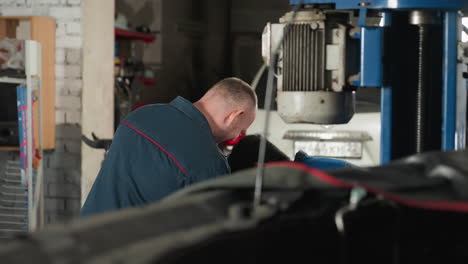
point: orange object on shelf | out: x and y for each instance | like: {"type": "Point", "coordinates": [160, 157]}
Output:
{"type": "Point", "coordinates": [37, 158]}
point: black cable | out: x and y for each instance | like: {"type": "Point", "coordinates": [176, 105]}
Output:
{"type": "Point", "coordinates": [268, 101]}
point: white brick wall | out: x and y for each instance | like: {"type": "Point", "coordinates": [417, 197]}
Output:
{"type": "Point", "coordinates": [69, 86]}
{"type": "Point", "coordinates": [69, 41]}
{"type": "Point", "coordinates": [45, 2]}
{"type": "Point", "coordinates": [67, 71]}
{"type": "Point", "coordinates": [60, 29]}
{"type": "Point", "coordinates": [68, 102]}
{"type": "Point", "coordinates": [73, 28]}
{"type": "Point", "coordinates": [18, 10]}
{"type": "Point", "coordinates": [74, 2]}
{"type": "Point", "coordinates": [73, 117]}
{"type": "Point", "coordinates": [13, 2]}
{"type": "Point", "coordinates": [59, 56]}
{"type": "Point", "coordinates": [67, 116]}
{"type": "Point", "coordinates": [73, 56]}
{"type": "Point", "coordinates": [60, 116]}
{"type": "Point", "coordinates": [66, 13]}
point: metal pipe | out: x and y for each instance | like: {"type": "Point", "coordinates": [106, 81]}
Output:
{"type": "Point", "coordinates": [29, 136]}
{"type": "Point", "coordinates": [305, 60]}
{"type": "Point", "coordinates": [306, 57]}
{"type": "Point", "coordinates": [323, 62]}
{"type": "Point", "coordinates": [268, 101]}
{"type": "Point", "coordinates": [315, 54]}
{"type": "Point", "coordinates": [423, 19]}
{"type": "Point", "coordinates": [421, 88]}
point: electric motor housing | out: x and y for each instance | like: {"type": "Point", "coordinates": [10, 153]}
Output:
{"type": "Point", "coordinates": [315, 67]}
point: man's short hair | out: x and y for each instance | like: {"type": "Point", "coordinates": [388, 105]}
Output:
{"type": "Point", "coordinates": [236, 91]}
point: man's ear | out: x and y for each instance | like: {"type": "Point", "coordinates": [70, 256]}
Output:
{"type": "Point", "coordinates": [232, 116]}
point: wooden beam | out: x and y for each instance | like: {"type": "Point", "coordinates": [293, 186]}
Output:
{"type": "Point", "coordinates": [43, 31]}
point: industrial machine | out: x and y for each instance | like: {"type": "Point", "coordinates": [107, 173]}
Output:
{"type": "Point", "coordinates": [327, 50]}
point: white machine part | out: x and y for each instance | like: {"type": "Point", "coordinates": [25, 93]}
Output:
{"type": "Point", "coordinates": [311, 68]}
{"type": "Point", "coordinates": [363, 130]}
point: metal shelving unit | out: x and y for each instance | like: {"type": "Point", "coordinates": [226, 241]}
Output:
{"type": "Point", "coordinates": [21, 182]}
{"type": "Point", "coordinates": [12, 80]}
{"type": "Point", "coordinates": [13, 201]}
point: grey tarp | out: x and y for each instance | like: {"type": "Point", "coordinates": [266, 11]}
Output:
{"type": "Point", "coordinates": [414, 212]}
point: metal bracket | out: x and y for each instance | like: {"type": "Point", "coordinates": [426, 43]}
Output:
{"type": "Point", "coordinates": [97, 142]}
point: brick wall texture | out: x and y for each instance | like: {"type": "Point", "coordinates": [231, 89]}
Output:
{"type": "Point", "coordinates": [62, 166]}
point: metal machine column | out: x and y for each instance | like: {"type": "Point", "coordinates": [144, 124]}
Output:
{"type": "Point", "coordinates": [449, 80]}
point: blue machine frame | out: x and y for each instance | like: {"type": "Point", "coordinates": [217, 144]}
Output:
{"type": "Point", "coordinates": [449, 96]}
{"type": "Point", "coordinates": [390, 4]}
{"type": "Point", "coordinates": [371, 64]}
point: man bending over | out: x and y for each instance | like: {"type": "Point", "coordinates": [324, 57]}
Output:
{"type": "Point", "coordinates": [161, 148]}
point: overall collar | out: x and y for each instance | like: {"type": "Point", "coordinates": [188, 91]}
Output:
{"type": "Point", "coordinates": [191, 111]}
